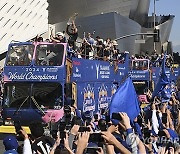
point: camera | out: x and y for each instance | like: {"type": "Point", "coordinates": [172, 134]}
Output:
{"type": "Point", "coordinates": [116, 116]}
{"type": "Point", "coordinates": [67, 110]}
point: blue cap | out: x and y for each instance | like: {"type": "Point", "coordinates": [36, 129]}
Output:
{"type": "Point", "coordinates": [10, 142]}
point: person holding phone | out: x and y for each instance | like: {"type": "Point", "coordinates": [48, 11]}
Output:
{"type": "Point", "coordinates": [40, 142]}
{"type": "Point", "coordinates": [27, 144]}
{"type": "Point", "coordinates": [73, 34]}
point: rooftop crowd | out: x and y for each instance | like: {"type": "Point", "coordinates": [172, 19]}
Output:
{"type": "Point", "coordinates": [91, 47]}
{"type": "Point", "coordinates": [155, 130]}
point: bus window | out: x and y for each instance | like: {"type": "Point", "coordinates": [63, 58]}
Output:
{"type": "Point", "coordinates": [24, 95]}
{"type": "Point", "coordinates": [20, 55]}
{"type": "Point", "coordinates": [140, 64]}
{"type": "Point", "coordinates": [50, 54]}
{"type": "Point", "coordinates": [47, 95]}
{"type": "Point", "coordinates": [16, 95]}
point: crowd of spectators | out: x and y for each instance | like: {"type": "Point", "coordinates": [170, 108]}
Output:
{"type": "Point", "coordinates": [89, 47]}
{"type": "Point", "coordinates": [155, 59]}
{"type": "Point", "coordinates": [155, 130]}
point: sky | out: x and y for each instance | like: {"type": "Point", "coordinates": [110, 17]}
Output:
{"type": "Point", "coordinates": [166, 7]}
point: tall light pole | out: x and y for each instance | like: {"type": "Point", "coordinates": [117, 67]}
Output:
{"type": "Point", "coordinates": [154, 21]}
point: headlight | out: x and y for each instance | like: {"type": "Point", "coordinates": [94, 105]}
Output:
{"type": "Point", "coordinates": [9, 122]}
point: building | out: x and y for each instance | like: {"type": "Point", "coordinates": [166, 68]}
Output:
{"type": "Point", "coordinates": [117, 18]}
{"type": "Point", "coordinates": [21, 20]}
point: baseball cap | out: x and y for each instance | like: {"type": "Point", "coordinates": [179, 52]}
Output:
{"type": "Point", "coordinates": [60, 34]}
{"type": "Point", "coordinates": [10, 142]}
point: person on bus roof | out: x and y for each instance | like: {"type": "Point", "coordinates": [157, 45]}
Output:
{"type": "Point", "coordinates": [59, 38]}
{"type": "Point", "coordinates": [73, 34]}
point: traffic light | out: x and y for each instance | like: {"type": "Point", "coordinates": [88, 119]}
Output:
{"type": "Point", "coordinates": [156, 35]}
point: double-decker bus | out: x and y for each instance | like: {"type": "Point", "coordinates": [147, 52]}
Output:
{"type": "Point", "coordinates": [37, 74]}
{"type": "Point", "coordinates": [140, 74]}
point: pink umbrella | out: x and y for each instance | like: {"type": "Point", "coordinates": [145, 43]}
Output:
{"type": "Point", "coordinates": [53, 115]}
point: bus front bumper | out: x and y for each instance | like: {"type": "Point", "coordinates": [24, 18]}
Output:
{"type": "Point", "coordinates": [11, 129]}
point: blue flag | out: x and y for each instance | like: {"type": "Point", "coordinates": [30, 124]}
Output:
{"type": "Point", "coordinates": [125, 100]}
{"type": "Point", "coordinates": [166, 94]}
{"type": "Point", "coordinates": [162, 81]}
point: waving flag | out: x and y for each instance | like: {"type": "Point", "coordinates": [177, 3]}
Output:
{"type": "Point", "coordinates": [125, 100]}
{"type": "Point", "coordinates": [162, 81]}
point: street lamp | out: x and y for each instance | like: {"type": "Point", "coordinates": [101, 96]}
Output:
{"type": "Point", "coordinates": [155, 21]}
{"type": "Point", "coordinates": [154, 14]}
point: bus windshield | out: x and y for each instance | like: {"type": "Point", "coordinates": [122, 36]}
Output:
{"type": "Point", "coordinates": [49, 54]}
{"type": "Point", "coordinates": [25, 95]}
{"type": "Point", "coordinates": [20, 55]}
{"type": "Point", "coordinates": [140, 64]}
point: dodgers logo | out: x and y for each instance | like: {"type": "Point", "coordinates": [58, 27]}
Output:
{"type": "Point", "coordinates": [103, 97]}
{"type": "Point", "coordinates": [88, 100]}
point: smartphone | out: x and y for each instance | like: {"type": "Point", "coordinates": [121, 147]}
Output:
{"type": "Point", "coordinates": [146, 132]}
{"type": "Point", "coordinates": [93, 150]}
{"type": "Point", "coordinates": [17, 126]}
{"type": "Point", "coordinates": [96, 137]}
{"type": "Point", "coordinates": [164, 118]}
{"type": "Point", "coordinates": [84, 129]}
{"type": "Point", "coordinates": [116, 116]}
{"type": "Point", "coordinates": [62, 135]}
{"type": "Point", "coordinates": [62, 126]}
